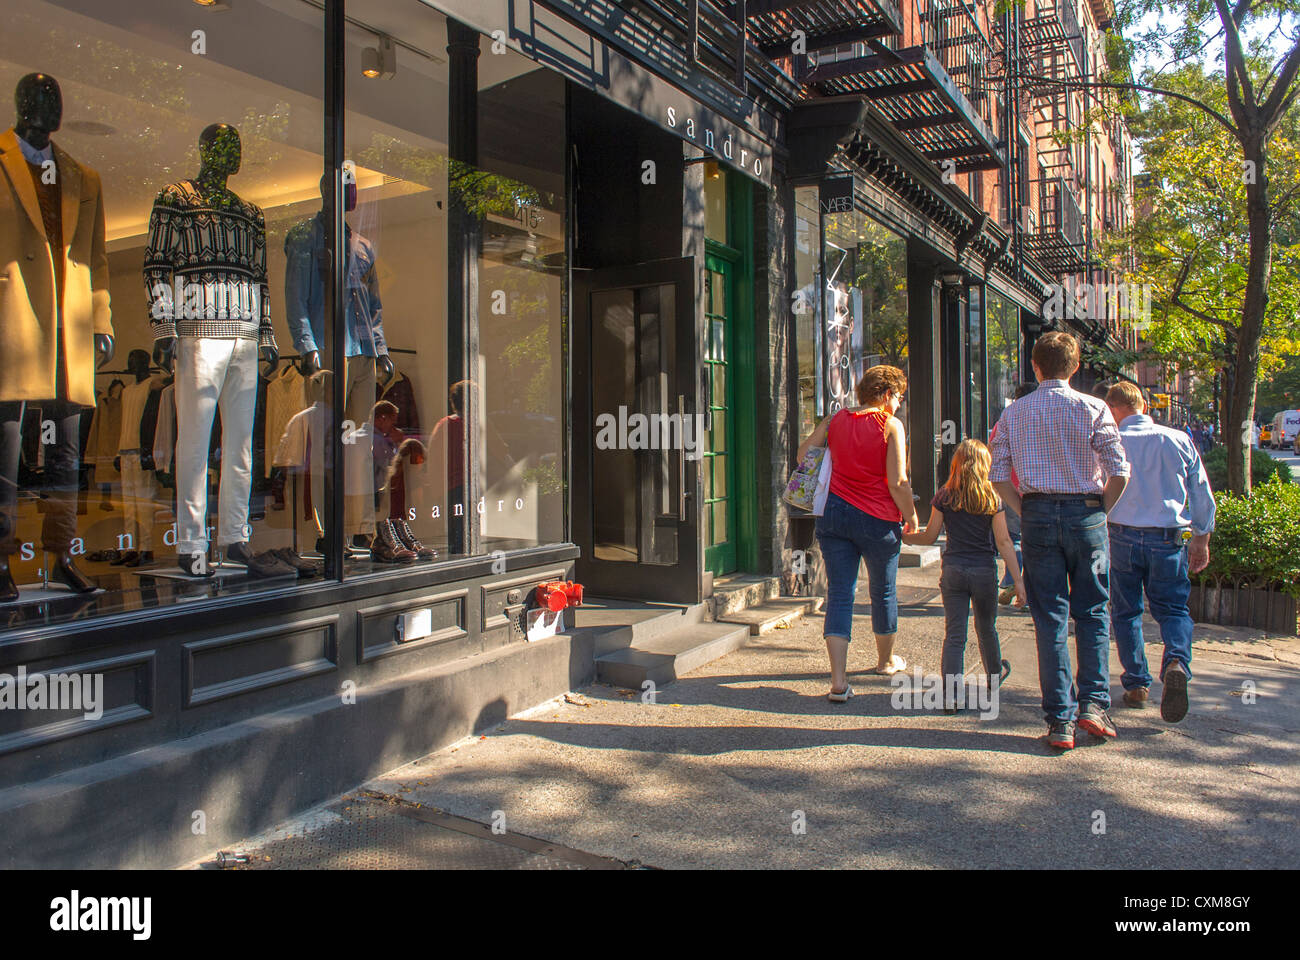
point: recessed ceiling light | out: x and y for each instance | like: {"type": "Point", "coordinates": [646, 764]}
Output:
{"type": "Point", "coordinates": [214, 4]}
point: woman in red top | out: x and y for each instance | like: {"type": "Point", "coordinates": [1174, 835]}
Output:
{"type": "Point", "coordinates": [868, 509]}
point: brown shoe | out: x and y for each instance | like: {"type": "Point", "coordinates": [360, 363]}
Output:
{"type": "Point", "coordinates": [1136, 698]}
{"type": "Point", "coordinates": [387, 546]}
{"type": "Point", "coordinates": [408, 539]}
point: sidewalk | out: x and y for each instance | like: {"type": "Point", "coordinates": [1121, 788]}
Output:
{"type": "Point", "coordinates": [733, 757]}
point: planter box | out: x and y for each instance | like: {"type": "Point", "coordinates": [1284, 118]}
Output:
{"type": "Point", "coordinates": [1242, 605]}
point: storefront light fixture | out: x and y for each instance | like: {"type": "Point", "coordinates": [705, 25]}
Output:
{"type": "Point", "coordinates": [214, 4]}
{"type": "Point", "coordinates": [380, 62]}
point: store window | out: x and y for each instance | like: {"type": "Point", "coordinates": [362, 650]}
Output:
{"type": "Point", "coordinates": [1003, 330]}
{"type": "Point", "coordinates": [975, 361]}
{"type": "Point", "coordinates": [807, 258]}
{"type": "Point", "coordinates": [160, 155]}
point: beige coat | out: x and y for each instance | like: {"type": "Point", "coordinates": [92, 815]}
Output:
{"type": "Point", "coordinates": [28, 314]}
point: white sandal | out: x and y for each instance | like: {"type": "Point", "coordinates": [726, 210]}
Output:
{"type": "Point", "coordinates": [840, 697]}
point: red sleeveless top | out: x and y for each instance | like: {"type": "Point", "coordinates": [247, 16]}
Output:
{"type": "Point", "coordinates": [858, 446]}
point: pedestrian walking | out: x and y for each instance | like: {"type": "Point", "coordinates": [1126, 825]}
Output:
{"type": "Point", "coordinates": [1065, 449]}
{"type": "Point", "coordinates": [1007, 586]}
{"type": "Point", "coordinates": [1159, 535]}
{"type": "Point", "coordinates": [970, 510]}
{"type": "Point", "coordinates": [868, 508]}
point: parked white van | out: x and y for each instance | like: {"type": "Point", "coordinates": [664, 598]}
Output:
{"type": "Point", "coordinates": [1286, 426]}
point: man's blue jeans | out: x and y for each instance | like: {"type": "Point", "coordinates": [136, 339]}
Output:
{"type": "Point", "coordinates": [1065, 547]}
{"type": "Point", "coordinates": [847, 536]}
{"type": "Point", "coordinates": [1153, 560]}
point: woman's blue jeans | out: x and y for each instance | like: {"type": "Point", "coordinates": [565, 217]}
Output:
{"type": "Point", "coordinates": [847, 536]}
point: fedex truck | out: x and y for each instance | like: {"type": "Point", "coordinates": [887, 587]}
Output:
{"type": "Point", "coordinates": [1285, 427]}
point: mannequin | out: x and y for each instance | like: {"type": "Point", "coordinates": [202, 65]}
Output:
{"type": "Point", "coordinates": [55, 324]}
{"type": "Point", "coordinates": [205, 279]}
{"type": "Point", "coordinates": [134, 459]}
{"type": "Point", "coordinates": [365, 350]}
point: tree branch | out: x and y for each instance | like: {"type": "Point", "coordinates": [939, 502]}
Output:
{"type": "Point", "coordinates": [1227, 124]}
{"type": "Point", "coordinates": [1282, 94]}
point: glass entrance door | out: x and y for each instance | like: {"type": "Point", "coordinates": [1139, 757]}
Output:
{"type": "Point", "coordinates": [718, 469]}
{"type": "Point", "coordinates": [638, 440]}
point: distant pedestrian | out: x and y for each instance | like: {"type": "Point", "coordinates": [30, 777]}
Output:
{"type": "Point", "coordinates": [1065, 449]}
{"type": "Point", "coordinates": [868, 509]}
{"type": "Point", "coordinates": [970, 510]}
{"type": "Point", "coordinates": [1159, 535]}
{"type": "Point", "coordinates": [1013, 519]}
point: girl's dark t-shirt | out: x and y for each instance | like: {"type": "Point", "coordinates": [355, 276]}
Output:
{"type": "Point", "coordinates": [970, 535]}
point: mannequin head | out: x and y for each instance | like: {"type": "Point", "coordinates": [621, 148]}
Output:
{"type": "Point", "coordinates": [39, 105]}
{"type": "Point", "coordinates": [349, 192]}
{"type": "Point", "coordinates": [137, 362]}
{"type": "Point", "coordinates": [220, 152]}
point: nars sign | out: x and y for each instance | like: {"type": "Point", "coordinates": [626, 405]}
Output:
{"type": "Point", "coordinates": [836, 194]}
{"type": "Point", "coordinates": [720, 143]}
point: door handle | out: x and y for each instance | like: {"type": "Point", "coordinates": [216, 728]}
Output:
{"type": "Point", "coordinates": [681, 460]}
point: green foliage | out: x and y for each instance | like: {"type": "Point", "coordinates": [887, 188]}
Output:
{"type": "Point", "coordinates": [1257, 538]}
{"type": "Point", "coordinates": [1281, 391]}
{"type": "Point", "coordinates": [1262, 468]}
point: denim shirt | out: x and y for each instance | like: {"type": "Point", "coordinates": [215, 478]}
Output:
{"type": "Point", "coordinates": [304, 291]}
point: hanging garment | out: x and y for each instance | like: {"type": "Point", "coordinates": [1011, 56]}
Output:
{"type": "Point", "coordinates": [102, 445]}
{"type": "Point", "coordinates": [285, 396]}
{"type": "Point", "coordinates": [164, 437]}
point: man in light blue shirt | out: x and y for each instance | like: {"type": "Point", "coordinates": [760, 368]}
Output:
{"type": "Point", "coordinates": [1159, 535]}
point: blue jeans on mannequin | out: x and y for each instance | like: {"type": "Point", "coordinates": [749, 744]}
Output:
{"type": "Point", "coordinates": [1067, 563]}
{"type": "Point", "coordinates": [848, 536]}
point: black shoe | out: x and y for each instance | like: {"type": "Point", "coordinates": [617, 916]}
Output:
{"type": "Point", "coordinates": [1006, 672]}
{"type": "Point", "coordinates": [8, 589]}
{"type": "Point", "coordinates": [65, 572]}
{"type": "Point", "coordinates": [1096, 721]}
{"type": "Point", "coordinates": [195, 564]}
{"type": "Point", "coordinates": [406, 536]}
{"type": "Point", "coordinates": [1173, 701]}
{"type": "Point", "coordinates": [388, 547]}
{"type": "Point", "coordinates": [261, 565]}
{"type": "Point", "coordinates": [305, 567]}
{"type": "Point", "coordinates": [141, 558]}
{"type": "Point", "coordinates": [124, 558]}
{"type": "Point", "coordinates": [1061, 735]}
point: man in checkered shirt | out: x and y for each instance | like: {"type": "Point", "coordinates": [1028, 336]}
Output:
{"type": "Point", "coordinates": [1066, 451]}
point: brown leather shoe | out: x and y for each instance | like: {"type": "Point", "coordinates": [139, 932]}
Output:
{"type": "Point", "coordinates": [387, 546]}
{"type": "Point", "coordinates": [409, 540]}
{"type": "Point", "coordinates": [1136, 698]}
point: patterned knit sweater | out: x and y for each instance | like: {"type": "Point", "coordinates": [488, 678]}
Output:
{"type": "Point", "coordinates": [205, 267]}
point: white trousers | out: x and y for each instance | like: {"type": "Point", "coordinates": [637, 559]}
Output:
{"type": "Point", "coordinates": [139, 499]}
{"type": "Point", "coordinates": [212, 374]}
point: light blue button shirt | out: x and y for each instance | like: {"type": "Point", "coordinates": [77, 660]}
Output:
{"type": "Point", "coordinates": [1167, 485]}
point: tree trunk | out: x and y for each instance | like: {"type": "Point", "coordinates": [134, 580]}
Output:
{"type": "Point", "coordinates": [1241, 399]}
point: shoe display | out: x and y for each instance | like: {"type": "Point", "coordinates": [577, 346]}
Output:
{"type": "Point", "coordinates": [1096, 721]}
{"type": "Point", "coordinates": [1136, 698]}
{"type": "Point", "coordinates": [261, 565]}
{"type": "Point", "coordinates": [124, 558]}
{"type": "Point", "coordinates": [1173, 702]}
{"type": "Point", "coordinates": [406, 536]}
{"type": "Point", "coordinates": [141, 558]}
{"type": "Point", "coordinates": [387, 547]}
{"type": "Point", "coordinates": [65, 572]}
{"type": "Point", "coordinates": [1061, 735]}
{"type": "Point", "coordinates": [305, 567]}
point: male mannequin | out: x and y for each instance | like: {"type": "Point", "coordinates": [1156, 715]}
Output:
{"type": "Point", "coordinates": [210, 246]}
{"type": "Point", "coordinates": [55, 321]}
{"type": "Point", "coordinates": [365, 350]}
{"type": "Point", "coordinates": [135, 459]}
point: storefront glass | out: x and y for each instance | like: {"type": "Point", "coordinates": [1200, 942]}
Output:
{"type": "Point", "coordinates": [1003, 329]}
{"type": "Point", "coordinates": [807, 325]}
{"type": "Point", "coordinates": [197, 462]}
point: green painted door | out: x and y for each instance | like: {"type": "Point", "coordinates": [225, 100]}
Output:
{"type": "Point", "coordinates": [719, 463]}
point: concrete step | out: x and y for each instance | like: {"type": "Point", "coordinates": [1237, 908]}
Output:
{"type": "Point", "coordinates": [774, 614]}
{"type": "Point", "coordinates": [738, 592]}
{"type": "Point", "coordinates": [619, 624]}
{"type": "Point", "coordinates": [664, 658]}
